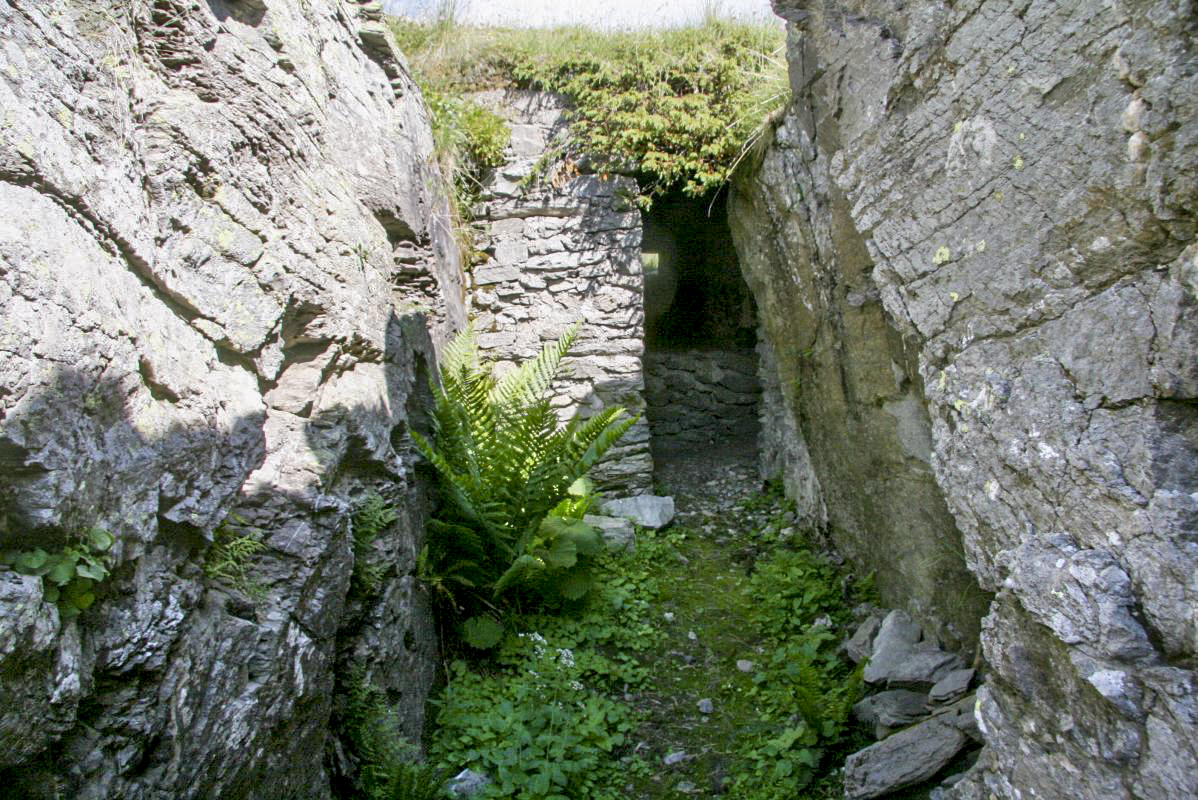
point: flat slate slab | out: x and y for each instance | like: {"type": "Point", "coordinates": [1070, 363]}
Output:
{"type": "Point", "coordinates": [908, 757]}
{"type": "Point", "coordinates": [617, 532]}
{"type": "Point", "coordinates": [646, 510]}
{"type": "Point", "coordinates": [893, 708]}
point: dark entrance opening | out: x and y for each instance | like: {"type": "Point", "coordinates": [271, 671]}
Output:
{"type": "Point", "coordinates": [700, 331]}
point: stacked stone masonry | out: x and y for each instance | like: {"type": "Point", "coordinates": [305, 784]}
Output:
{"type": "Point", "coordinates": [702, 397]}
{"type": "Point", "coordinates": [1006, 195]}
{"type": "Point", "coordinates": [221, 237]}
{"type": "Point", "coordinates": [564, 247]}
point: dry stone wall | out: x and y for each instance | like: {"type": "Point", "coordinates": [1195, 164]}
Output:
{"type": "Point", "coordinates": [221, 245]}
{"type": "Point", "coordinates": [979, 218]}
{"type": "Point", "coordinates": [702, 397]}
{"type": "Point", "coordinates": [564, 246]}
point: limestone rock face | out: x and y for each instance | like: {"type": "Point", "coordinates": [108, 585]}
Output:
{"type": "Point", "coordinates": [221, 246]}
{"type": "Point", "coordinates": [978, 218]}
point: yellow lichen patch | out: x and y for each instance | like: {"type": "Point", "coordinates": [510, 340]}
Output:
{"type": "Point", "coordinates": [1018, 162]}
{"type": "Point", "coordinates": [980, 246]}
{"type": "Point", "coordinates": [954, 296]}
{"type": "Point", "coordinates": [942, 255]}
{"type": "Point", "coordinates": [957, 126]}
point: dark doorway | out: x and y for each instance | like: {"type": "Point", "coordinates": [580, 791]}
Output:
{"type": "Point", "coordinates": [700, 330]}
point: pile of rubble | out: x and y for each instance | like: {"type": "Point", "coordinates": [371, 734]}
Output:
{"type": "Point", "coordinates": [921, 709]}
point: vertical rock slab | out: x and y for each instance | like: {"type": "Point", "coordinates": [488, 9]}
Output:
{"type": "Point", "coordinates": [1009, 190]}
{"type": "Point", "coordinates": [222, 246]}
{"type": "Point", "coordinates": [564, 246]}
{"type": "Point", "coordinates": [845, 407]}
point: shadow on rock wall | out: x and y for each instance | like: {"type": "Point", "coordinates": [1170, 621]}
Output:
{"type": "Point", "coordinates": [176, 683]}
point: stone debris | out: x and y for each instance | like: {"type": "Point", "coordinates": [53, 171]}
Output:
{"type": "Point", "coordinates": [468, 783]}
{"type": "Point", "coordinates": [706, 706]}
{"type": "Point", "coordinates": [676, 757]}
{"type": "Point", "coordinates": [646, 510]}
{"type": "Point", "coordinates": [901, 660]}
{"type": "Point", "coordinates": [929, 735]}
{"type": "Point", "coordinates": [617, 532]}
{"type": "Point", "coordinates": [891, 709]}
{"type": "Point", "coordinates": [910, 756]}
{"type": "Point", "coordinates": [860, 645]}
{"type": "Point", "coordinates": [745, 665]}
{"type": "Point", "coordinates": [951, 687]}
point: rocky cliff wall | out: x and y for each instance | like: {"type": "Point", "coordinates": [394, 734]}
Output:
{"type": "Point", "coordinates": [564, 246]}
{"type": "Point", "coordinates": [221, 242]}
{"type": "Point", "coordinates": [972, 245]}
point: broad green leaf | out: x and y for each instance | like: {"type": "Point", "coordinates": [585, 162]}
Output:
{"type": "Point", "coordinates": [563, 553]}
{"type": "Point", "coordinates": [32, 560]}
{"type": "Point", "coordinates": [575, 584]}
{"type": "Point", "coordinates": [482, 632]}
{"type": "Point", "coordinates": [100, 540]}
{"type": "Point", "coordinates": [62, 572]}
{"type": "Point", "coordinates": [93, 571]}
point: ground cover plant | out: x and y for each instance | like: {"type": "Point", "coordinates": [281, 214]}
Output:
{"type": "Point", "coordinates": [588, 701]}
{"type": "Point", "coordinates": [680, 108]}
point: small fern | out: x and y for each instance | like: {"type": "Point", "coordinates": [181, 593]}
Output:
{"type": "Point", "coordinates": [369, 521]}
{"type": "Point", "coordinates": [505, 462]}
{"type": "Point", "coordinates": [390, 766]}
{"type": "Point", "coordinates": [228, 560]}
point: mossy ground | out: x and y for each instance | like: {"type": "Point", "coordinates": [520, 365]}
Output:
{"type": "Point", "coordinates": [663, 632]}
{"type": "Point", "coordinates": [727, 522]}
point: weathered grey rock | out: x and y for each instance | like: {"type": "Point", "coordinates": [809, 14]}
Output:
{"type": "Point", "coordinates": [951, 687]}
{"type": "Point", "coordinates": [978, 221]}
{"type": "Point", "coordinates": [901, 660]}
{"type": "Point", "coordinates": [706, 706]}
{"type": "Point", "coordinates": [908, 757]}
{"type": "Point", "coordinates": [860, 645]}
{"type": "Point", "coordinates": [891, 709]}
{"type": "Point", "coordinates": [646, 510]}
{"type": "Point", "coordinates": [221, 234]}
{"type": "Point", "coordinates": [468, 783]}
{"type": "Point", "coordinates": [564, 248]}
{"type": "Point", "coordinates": [617, 532]}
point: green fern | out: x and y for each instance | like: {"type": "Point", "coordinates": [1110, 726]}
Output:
{"type": "Point", "coordinates": [390, 767]}
{"type": "Point", "coordinates": [505, 462]}
{"type": "Point", "coordinates": [369, 521]}
{"type": "Point", "coordinates": [228, 560]}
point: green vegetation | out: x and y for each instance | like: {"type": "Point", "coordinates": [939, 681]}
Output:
{"type": "Point", "coordinates": [229, 559]}
{"type": "Point", "coordinates": [679, 107]}
{"type": "Point", "coordinates": [370, 519]}
{"type": "Point", "coordinates": [390, 766]}
{"type": "Point", "coordinates": [587, 701]}
{"type": "Point", "coordinates": [69, 576]}
{"type": "Point", "coordinates": [544, 715]}
{"type": "Point", "coordinates": [505, 462]}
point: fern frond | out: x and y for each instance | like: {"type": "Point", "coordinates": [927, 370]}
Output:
{"type": "Point", "coordinates": [532, 380]}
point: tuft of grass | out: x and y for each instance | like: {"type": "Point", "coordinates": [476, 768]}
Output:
{"type": "Point", "coordinates": [681, 107]}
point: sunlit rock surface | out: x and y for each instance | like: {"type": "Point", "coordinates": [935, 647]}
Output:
{"type": "Point", "coordinates": [978, 219]}
{"type": "Point", "coordinates": [222, 246]}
